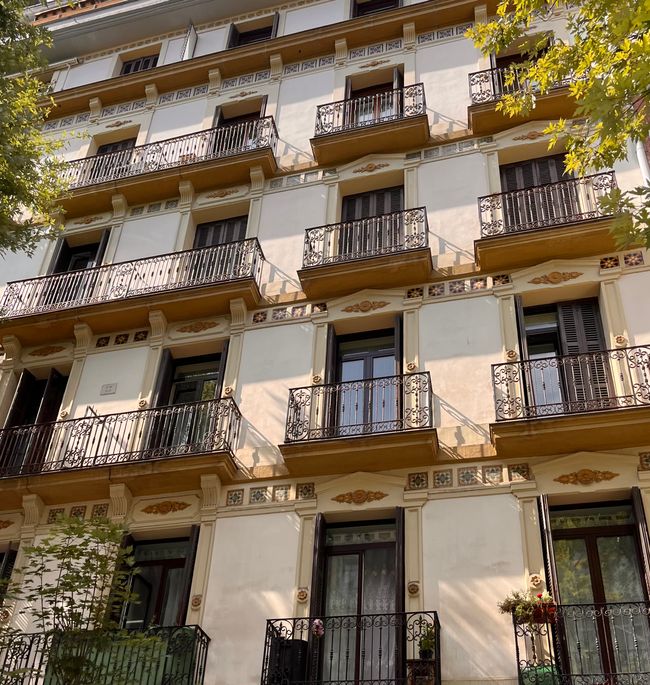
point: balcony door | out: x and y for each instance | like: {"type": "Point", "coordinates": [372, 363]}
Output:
{"type": "Point", "coordinates": [185, 418]}
{"type": "Point", "coordinates": [600, 582]}
{"type": "Point", "coordinates": [223, 258]}
{"type": "Point", "coordinates": [366, 105]}
{"type": "Point", "coordinates": [237, 132]}
{"type": "Point", "coordinates": [565, 370]}
{"type": "Point", "coordinates": [359, 587]}
{"type": "Point", "coordinates": [364, 397]}
{"type": "Point", "coordinates": [112, 160]}
{"type": "Point", "coordinates": [28, 429]}
{"type": "Point", "coordinates": [535, 196]}
{"type": "Point", "coordinates": [372, 223]}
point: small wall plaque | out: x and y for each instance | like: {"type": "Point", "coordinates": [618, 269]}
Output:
{"type": "Point", "coordinates": [108, 389]}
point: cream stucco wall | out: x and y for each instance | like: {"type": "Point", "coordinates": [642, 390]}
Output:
{"type": "Point", "coordinates": [321, 14]}
{"type": "Point", "coordinates": [247, 587]}
{"type": "Point", "coordinates": [177, 120]}
{"type": "Point", "coordinates": [148, 236]}
{"type": "Point", "coordinates": [634, 290]}
{"type": "Point", "coordinates": [472, 557]}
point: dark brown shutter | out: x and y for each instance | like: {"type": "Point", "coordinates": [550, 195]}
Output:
{"type": "Point", "coordinates": [399, 344]}
{"type": "Point", "coordinates": [163, 387]}
{"type": "Point", "coordinates": [223, 359]}
{"type": "Point", "coordinates": [400, 545]}
{"type": "Point", "coordinates": [318, 567]}
{"type": "Point", "coordinates": [331, 355]}
{"type": "Point", "coordinates": [233, 37]}
{"type": "Point", "coordinates": [7, 563]}
{"type": "Point", "coordinates": [52, 396]}
{"type": "Point", "coordinates": [60, 256]}
{"type": "Point", "coordinates": [188, 572]}
{"type": "Point", "coordinates": [264, 100]}
{"type": "Point", "coordinates": [521, 327]}
{"type": "Point", "coordinates": [101, 247]}
{"type": "Point", "coordinates": [274, 28]}
{"type": "Point", "coordinates": [20, 405]}
{"type": "Point", "coordinates": [643, 539]}
{"type": "Point", "coordinates": [398, 78]}
{"type": "Point", "coordinates": [547, 547]}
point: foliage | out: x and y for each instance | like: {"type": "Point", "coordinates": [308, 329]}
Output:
{"type": "Point", "coordinates": [30, 176]}
{"type": "Point", "coordinates": [427, 641]}
{"type": "Point", "coordinates": [607, 68]}
{"type": "Point", "coordinates": [72, 586]}
{"type": "Point", "coordinates": [524, 603]}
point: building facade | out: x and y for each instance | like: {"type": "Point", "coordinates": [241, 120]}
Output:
{"type": "Point", "coordinates": [335, 340]}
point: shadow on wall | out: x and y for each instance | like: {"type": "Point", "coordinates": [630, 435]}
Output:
{"type": "Point", "coordinates": [277, 275]}
{"type": "Point", "coordinates": [258, 448]}
{"type": "Point", "coordinates": [439, 405]}
{"type": "Point", "coordinates": [444, 124]}
{"type": "Point", "coordinates": [298, 155]}
{"type": "Point", "coordinates": [445, 247]}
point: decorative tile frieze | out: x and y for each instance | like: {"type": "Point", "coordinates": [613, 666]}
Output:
{"type": "Point", "coordinates": [493, 474]}
{"type": "Point", "coordinates": [468, 475]}
{"type": "Point", "coordinates": [633, 258]}
{"type": "Point", "coordinates": [301, 311]}
{"type": "Point", "coordinates": [281, 493]}
{"type": "Point", "coordinates": [78, 512]}
{"type": "Point", "coordinates": [610, 262]}
{"type": "Point", "coordinates": [418, 481]}
{"type": "Point", "coordinates": [501, 279]}
{"type": "Point", "coordinates": [235, 497]}
{"type": "Point", "coordinates": [443, 478]}
{"type": "Point", "coordinates": [518, 472]}
{"type": "Point", "coordinates": [258, 495]}
{"type": "Point", "coordinates": [413, 293]}
{"type": "Point", "coordinates": [99, 511]}
{"type": "Point", "coordinates": [305, 491]}
{"type": "Point", "coordinates": [54, 514]}
{"type": "Point", "coordinates": [375, 49]}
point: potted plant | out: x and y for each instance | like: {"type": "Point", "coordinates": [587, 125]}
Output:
{"type": "Point", "coordinates": [427, 642]}
{"type": "Point", "coordinates": [528, 607]}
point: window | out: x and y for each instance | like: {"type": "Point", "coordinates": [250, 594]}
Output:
{"type": "Point", "coordinates": [221, 232]}
{"type": "Point", "coordinates": [7, 563]}
{"type": "Point", "coordinates": [36, 401]}
{"type": "Point", "coordinates": [544, 205]}
{"type": "Point", "coordinates": [564, 340]}
{"type": "Point", "coordinates": [360, 8]}
{"type": "Point", "coordinates": [237, 127]}
{"type": "Point", "coordinates": [253, 31]}
{"type": "Point", "coordinates": [373, 98]}
{"type": "Point", "coordinates": [107, 148]}
{"type": "Point", "coordinates": [139, 64]}
{"type": "Point", "coordinates": [163, 582]}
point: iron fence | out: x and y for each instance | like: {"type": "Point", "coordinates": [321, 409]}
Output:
{"type": "Point", "coordinates": [138, 278]}
{"type": "Point", "coordinates": [371, 237]}
{"type": "Point", "coordinates": [162, 656]}
{"type": "Point", "coordinates": [214, 143]}
{"type": "Point", "coordinates": [586, 644]}
{"type": "Point", "coordinates": [111, 439]}
{"type": "Point", "coordinates": [567, 384]}
{"type": "Point", "coordinates": [490, 85]}
{"type": "Point", "coordinates": [377, 405]}
{"type": "Point", "coordinates": [370, 110]}
{"type": "Point", "coordinates": [545, 206]}
{"type": "Point", "coordinates": [362, 649]}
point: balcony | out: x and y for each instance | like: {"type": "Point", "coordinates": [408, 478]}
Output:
{"type": "Point", "coordinates": [78, 458]}
{"type": "Point", "coordinates": [593, 401]}
{"type": "Point", "coordinates": [183, 285]}
{"type": "Point", "coordinates": [391, 121]}
{"type": "Point", "coordinates": [210, 158]}
{"type": "Point", "coordinates": [552, 221]}
{"type": "Point", "coordinates": [365, 425]}
{"type": "Point", "coordinates": [487, 87]}
{"type": "Point", "coordinates": [179, 656]}
{"type": "Point", "coordinates": [586, 644]}
{"type": "Point", "coordinates": [352, 650]}
{"type": "Point", "coordinates": [378, 252]}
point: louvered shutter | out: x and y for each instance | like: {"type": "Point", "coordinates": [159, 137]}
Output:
{"type": "Point", "coordinates": [7, 563]}
{"type": "Point", "coordinates": [188, 573]}
{"type": "Point", "coordinates": [585, 372]}
{"type": "Point", "coordinates": [643, 539]}
{"type": "Point", "coordinates": [318, 567]}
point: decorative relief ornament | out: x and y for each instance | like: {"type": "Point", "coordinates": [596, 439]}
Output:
{"type": "Point", "coordinates": [4, 615]}
{"type": "Point", "coordinates": [243, 94]}
{"type": "Point", "coordinates": [374, 63]}
{"type": "Point", "coordinates": [118, 123]}
{"type": "Point", "coordinates": [556, 277]}
{"type": "Point", "coordinates": [196, 601]}
{"type": "Point", "coordinates": [365, 306]}
{"type": "Point", "coordinates": [302, 595]}
{"type": "Point", "coordinates": [197, 327]}
{"type": "Point", "coordinates": [585, 477]}
{"type": "Point", "coordinates": [142, 404]}
{"type": "Point", "coordinates": [316, 379]}
{"type": "Point", "coordinates": [413, 588]}
{"type": "Point", "coordinates": [63, 414]}
{"type": "Point", "coordinates": [359, 496]}
{"type": "Point", "coordinates": [166, 507]}
{"type": "Point", "coordinates": [531, 135]}
{"type": "Point", "coordinates": [46, 351]}
{"type": "Point", "coordinates": [87, 220]}
{"type": "Point", "coordinates": [620, 340]}
{"type": "Point", "coordinates": [535, 580]}
{"type": "Point", "coordinates": [228, 390]}
{"type": "Point", "coordinates": [411, 366]}
{"type": "Point", "coordinates": [5, 524]}
{"type": "Point", "coordinates": [369, 168]}
{"type": "Point", "coordinates": [222, 193]}
{"type": "Point", "coordinates": [511, 355]}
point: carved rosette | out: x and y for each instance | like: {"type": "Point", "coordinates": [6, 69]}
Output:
{"type": "Point", "coordinates": [585, 477]}
{"type": "Point", "coordinates": [365, 306]}
{"type": "Point", "coordinates": [359, 496]}
{"type": "Point", "coordinates": [369, 168]}
{"type": "Point", "coordinates": [166, 507]}
{"type": "Point", "coordinates": [197, 327]}
{"type": "Point", "coordinates": [555, 277]}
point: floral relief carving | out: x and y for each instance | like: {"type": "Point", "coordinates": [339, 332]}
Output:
{"type": "Point", "coordinates": [118, 123]}
{"type": "Point", "coordinates": [197, 327]}
{"type": "Point", "coordinates": [531, 135]}
{"type": "Point", "coordinates": [585, 477]}
{"type": "Point", "coordinates": [222, 193]}
{"type": "Point", "coordinates": [374, 63]}
{"type": "Point", "coordinates": [359, 496]}
{"type": "Point", "coordinates": [87, 220]}
{"type": "Point", "coordinates": [166, 507]}
{"type": "Point", "coordinates": [556, 277]}
{"type": "Point", "coordinates": [46, 351]}
{"type": "Point", "coordinates": [370, 167]}
{"type": "Point", "coordinates": [243, 94]}
{"type": "Point", "coordinates": [365, 306]}
{"type": "Point", "coordinates": [5, 524]}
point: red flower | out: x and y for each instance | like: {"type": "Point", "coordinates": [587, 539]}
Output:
{"type": "Point", "coordinates": [539, 596]}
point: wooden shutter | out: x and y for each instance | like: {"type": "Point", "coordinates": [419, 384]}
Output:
{"type": "Point", "coordinates": [188, 572]}
{"type": "Point", "coordinates": [331, 355]}
{"type": "Point", "coordinates": [7, 563]}
{"type": "Point", "coordinates": [521, 327]}
{"type": "Point", "coordinates": [233, 37]}
{"type": "Point", "coordinates": [60, 257]}
{"type": "Point", "coordinates": [164, 381]}
{"type": "Point", "coordinates": [223, 359]}
{"type": "Point", "coordinates": [399, 344]}
{"type": "Point", "coordinates": [20, 405]}
{"type": "Point", "coordinates": [643, 539]}
{"type": "Point", "coordinates": [400, 546]}
{"type": "Point", "coordinates": [101, 247]}
{"type": "Point", "coordinates": [398, 78]}
{"type": "Point", "coordinates": [52, 396]}
{"type": "Point", "coordinates": [274, 28]}
{"type": "Point", "coordinates": [547, 547]}
{"type": "Point", "coordinates": [318, 567]}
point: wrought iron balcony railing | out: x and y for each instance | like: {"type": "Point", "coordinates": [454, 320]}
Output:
{"type": "Point", "coordinates": [372, 237]}
{"type": "Point", "coordinates": [214, 143]}
{"type": "Point", "coordinates": [573, 383]}
{"type": "Point", "coordinates": [368, 649]}
{"type": "Point", "coordinates": [546, 206]}
{"type": "Point", "coordinates": [178, 656]}
{"type": "Point", "coordinates": [163, 273]}
{"type": "Point", "coordinates": [586, 644]}
{"type": "Point", "coordinates": [127, 437]}
{"type": "Point", "coordinates": [369, 110]}
{"type": "Point", "coordinates": [490, 85]}
{"type": "Point", "coordinates": [377, 405]}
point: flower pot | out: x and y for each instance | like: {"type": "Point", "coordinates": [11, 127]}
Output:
{"type": "Point", "coordinates": [426, 654]}
{"type": "Point", "coordinates": [544, 613]}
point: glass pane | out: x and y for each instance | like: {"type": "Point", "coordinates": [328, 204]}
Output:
{"type": "Point", "coordinates": [172, 598]}
{"type": "Point", "coordinates": [357, 535]}
{"type": "Point", "coordinates": [544, 380]}
{"type": "Point", "coordinates": [592, 517]}
{"type": "Point", "coordinates": [351, 399]}
{"type": "Point", "coordinates": [622, 583]}
{"type": "Point", "coordinates": [146, 586]}
{"type": "Point", "coordinates": [160, 551]}
{"type": "Point", "coordinates": [340, 639]}
{"type": "Point", "coordinates": [580, 624]}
